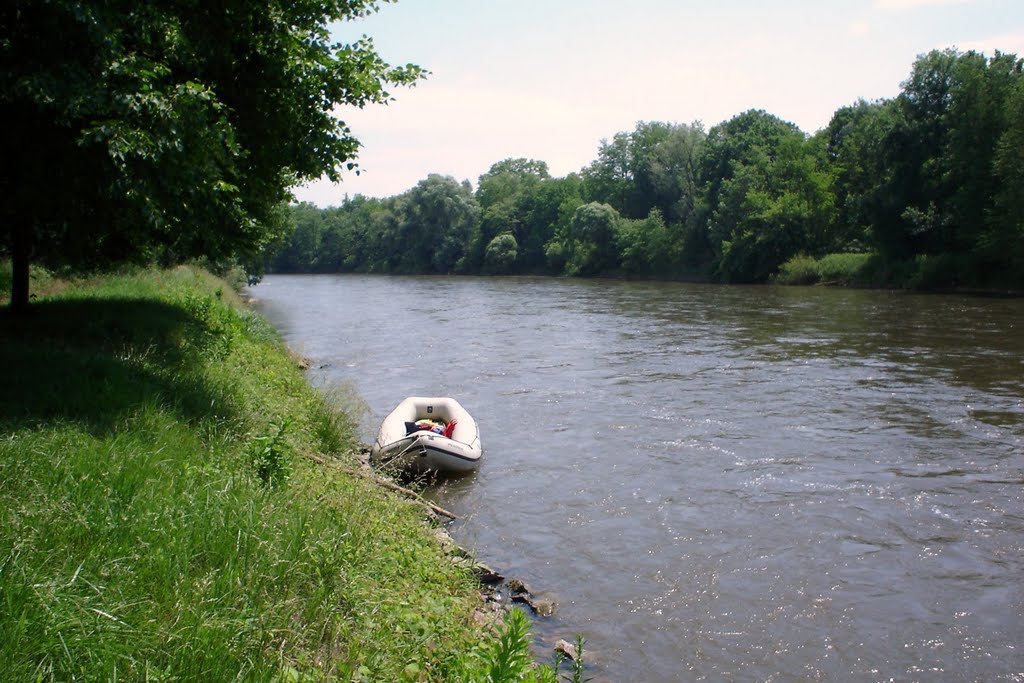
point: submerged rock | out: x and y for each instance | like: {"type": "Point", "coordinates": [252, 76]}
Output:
{"type": "Point", "coordinates": [541, 605]}
{"type": "Point", "coordinates": [485, 574]}
{"type": "Point", "coordinates": [566, 649]}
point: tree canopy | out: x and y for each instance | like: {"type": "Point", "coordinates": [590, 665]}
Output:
{"type": "Point", "coordinates": [171, 129]}
{"type": "Point", "coordinates": [927, 184]}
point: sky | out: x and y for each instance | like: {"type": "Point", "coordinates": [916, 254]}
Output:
{"type": "Point", "coordinates": [550, 79]}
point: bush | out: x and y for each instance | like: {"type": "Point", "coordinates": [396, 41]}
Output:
{"type": "Point", "coordinates": [941, 271]}
{"type": "Point", "coordinates": [831, 269]}
{"type": "Point", "coordinates": [501, 253]}
{"type": "Point", "coordinates": [799, 270]}
{"type": "Point", "coordinates": [842, 269]}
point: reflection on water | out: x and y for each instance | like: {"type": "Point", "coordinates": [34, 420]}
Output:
{"type": "Point", "coordinates": [718, 482]}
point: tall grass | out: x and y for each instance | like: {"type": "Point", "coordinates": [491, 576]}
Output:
{"type": "Point", "coordinates": [935, 272]}
{"type": "Point", "coordinates": [832, 269]}
{"type": "Point", "coordinates": [159, 518]}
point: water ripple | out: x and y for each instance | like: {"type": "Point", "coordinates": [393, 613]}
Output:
{"type": "Point", "coordinates": [719, 483]}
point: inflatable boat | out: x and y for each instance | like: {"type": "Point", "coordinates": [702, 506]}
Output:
{"type": "Point", "coordinates": [428, 434]}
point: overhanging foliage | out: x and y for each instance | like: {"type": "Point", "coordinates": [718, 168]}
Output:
{"type": "Point", "coordinates": [171, 129]}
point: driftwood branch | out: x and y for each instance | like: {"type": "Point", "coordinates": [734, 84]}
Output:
{"type": "Point", "coordinates": [390, 485]}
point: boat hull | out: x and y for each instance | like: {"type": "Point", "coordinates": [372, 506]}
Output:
{"type": "Point", "coordinates": [425, 452]}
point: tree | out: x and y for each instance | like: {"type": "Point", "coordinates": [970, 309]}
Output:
{"type": "Point", "coordinates": [299, 253]}
{"type": "Point", "coordinates": [673, 168]}
{"type": "Point", "coordinates": [653, 165]}
{"type": "Point", "coordinates": [1002, 242]}
{"type": "Point", "coordinates": [919, 142]}
{"type": "Point", "coordinates": [501, 253]}
{"type": "Point", "coordinates": [548, 210]}
{"type": "Point", "coordinates": [644, 169]}
{"type": "Point", "coordinates": [590, 245]}
{"type": "Point", "coordinates": [855, 148]}
{"type": "Point", "coordinates": [767, 195]}
{"type": "Point", "coordinates": [975, 120]}
{"type": "Point", "coordinates": [936, 190]}
{"type": "Point", "coordinates": [166, 130]}
{"type": "Point", "coordinates": [609, 179]}
{"type": "Point", "coordinates": [503, 194]}
{"type": "Point", "coordinates": [439, 218]}
{"type": "Point", "coordinates": [508, 179]}
{"type": "Point", "coordinates": [645, 245]}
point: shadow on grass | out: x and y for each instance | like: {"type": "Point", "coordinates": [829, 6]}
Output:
{"type": "Point", "coordinates": [95, 361]}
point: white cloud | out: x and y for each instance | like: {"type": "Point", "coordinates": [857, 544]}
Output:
{"type": "Point", "coordinates": [858, 29]}
{"type": "Point", "coordinates": [504, 93]}
{"type": "Point", "coordinates": [460, 128]}
{"type": "Point", "coordinates": [1004, 42]}
{"type": "Point", "coordinates": [914, 4]}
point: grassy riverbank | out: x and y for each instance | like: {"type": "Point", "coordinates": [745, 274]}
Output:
{"type": "Point", "coordinates": [943, 272]}
{"type": "Point", "coordinates": [166, 512]}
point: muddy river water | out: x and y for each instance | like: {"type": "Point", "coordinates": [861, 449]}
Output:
{"type": "Point", "coordinates": [717, 483]}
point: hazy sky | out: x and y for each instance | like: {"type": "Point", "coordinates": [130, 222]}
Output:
{"type": "Point", "coordinates": [548, 79]}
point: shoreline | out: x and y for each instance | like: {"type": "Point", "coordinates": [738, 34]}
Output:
{"type": "Point", "coordinates": [968, 291]}
{"type": "Point", "coordinates": [210, 516]}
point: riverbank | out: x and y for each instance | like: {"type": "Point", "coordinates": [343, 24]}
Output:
{"type": "Point", "coordinates": [176, 501]}
{"type": "Point", "coordinates": [943, 273]}
{"type": "Point", "coordinates": [937, 274]}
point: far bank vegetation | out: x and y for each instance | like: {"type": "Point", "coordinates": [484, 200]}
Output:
{"type": "Point", "coordinates": [924, 190]}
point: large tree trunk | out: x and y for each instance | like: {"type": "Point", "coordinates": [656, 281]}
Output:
{"type": "Point", "coordinates": [20, 250]}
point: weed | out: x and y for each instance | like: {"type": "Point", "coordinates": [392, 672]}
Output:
{"type": "Point", "coordinates": [508, 658]}
{"type": "Point", "coordinates": [337, 414]}
{"type": "Point", "coordinates": [577, 663]}
{"type": "Point", "coordinates": [269, 455]}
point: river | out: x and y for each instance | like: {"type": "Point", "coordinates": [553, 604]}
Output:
{"type": "Point", "coordinates": [716, 482]}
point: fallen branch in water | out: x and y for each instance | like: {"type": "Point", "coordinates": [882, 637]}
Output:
{"type": "Point", "coordinates": [412, 494]}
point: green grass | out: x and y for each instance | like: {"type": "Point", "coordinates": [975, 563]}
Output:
{"type": "Point", "coordinates": [936, 272]}
{"type": "Point", "coordinates": [831, 269]}
{"type": "Point", "coordinates": [159, 518]}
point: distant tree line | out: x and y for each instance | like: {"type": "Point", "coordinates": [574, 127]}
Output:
{"type": "Point", "coordinates": [927, 185]}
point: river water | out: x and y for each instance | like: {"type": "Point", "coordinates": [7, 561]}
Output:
{"type": "Point", "coordinates": [717, 483]}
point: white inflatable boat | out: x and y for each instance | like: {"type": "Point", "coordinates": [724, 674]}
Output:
{"type": "Point", "coordinates": [424, 433]}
